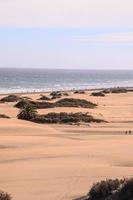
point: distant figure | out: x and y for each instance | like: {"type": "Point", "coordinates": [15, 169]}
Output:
{"type": "Point", "coordinates": [126, 132]}
{"type": "Point", "coordinates": [130, 132]}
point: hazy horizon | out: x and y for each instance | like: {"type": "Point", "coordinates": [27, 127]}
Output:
{"type": "Point", "coordinates": [68, 69]}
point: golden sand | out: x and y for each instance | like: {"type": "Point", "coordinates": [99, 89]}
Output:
{"type": "Point", "coordinates": [60, 162]}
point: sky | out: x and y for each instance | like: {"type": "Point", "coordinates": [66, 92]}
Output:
{"type": "Point", "coordinates": [89, 34]}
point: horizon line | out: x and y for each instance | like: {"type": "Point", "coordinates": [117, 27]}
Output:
{"type": "Point", "coordinates": [58, 68]}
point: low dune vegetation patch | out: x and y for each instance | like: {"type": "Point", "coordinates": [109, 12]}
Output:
{"type": "Point", "coordinates": [119, 90]}
{"type": "Point", "coordinates": [111, 190]}
{"type": "Point", "coordinates": [115, 90]}
{"type": "Point", "coordinates": [65, 118]}
{"type": "Point", "coordinates": [29, 112]}
{"type": "Point", "coordinates": [98, 94]}
{"type": "Point", "coordinates": [79, 92]}
{"type": "Point", "coordinates": [44, 98]}
{"type": "Point", "coordinates": [36, 104]}
{"type": "Point", "coordinates": [65, 102]}
{"type": "Point", "coordinates": [58, 94]}
{"type": "Point", "coordinates": [71, 102]}
{"type": "Point", "coordinates": [4, 196]}
{"type": "Point", "coordinates": [10, 98]}
{"type": "Point", "coordinates": [4, 116]}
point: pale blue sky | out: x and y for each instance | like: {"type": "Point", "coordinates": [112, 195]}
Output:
{"type": "Point", "coordinates": [91, 34]}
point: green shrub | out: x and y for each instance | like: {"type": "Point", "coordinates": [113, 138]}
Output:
{"type": "Point", "coordinates": [126, 190]}
{"type": "Point", "coordinates": [98, 94]}
{"type": "Point", "coordinates": [22, 103]}
{"type": "Point", "coordinates": [115, 90]}
{"type": "Point", "coordinates": [111, 190]}
{"type": "Point", "coordinates": [66, 102]}
{"type": "Point", "coordinates": [10, 98]}
{"type": "Point", "coordinates": [119, 90]}
{"type": "Point", "coordinates": [71, 102]}
{"type": "Point", "coordinates": [56, 94]}
{"type": "Point", "coordinates": [37, 105]}
{"type": "Point", "coordinates": [44, 98]}
{"type": "Point", "coordinates": [27, 112]}
{"type": "Point", "coordinates": [103, 189]}
{"type": "Point", "coordinates": [64, 118]}
{"type": "Point", "coordinates": [79, 92]}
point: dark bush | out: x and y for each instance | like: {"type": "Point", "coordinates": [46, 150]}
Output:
{"type": "Point", "coordinates": [22, 103]}
{"type": "Point", "coordinates": [115, 90]}
{"type": "Point", "coordinates": [56, 95]}
{"type": "Point", "coordinates": [103, 189]}
{"type": "Point", "coordinates": [37, 105]}
{"type": "Point", "coordinates": [106, 91]}
{"type": "Point", "coordinates": [111, 190]}
{"type": "Point", "coordinates": [126, 191]}
{"type": "Point", "coordinates": [64, 118]}
{"type": "Point", "coordinates": [42, 105]}
{"type": "Point", "coordinates": [70, 102]}
{"type": "Point", "coordinates": [79, 92]}
{"type": "Point", "coordinates": [4, 196]}
{"type": "Point", "coordinates": [27, 112]}
{"type": "Point", "coordinates": [98, 94]}
{"type": "Point", "coordinates": [4, 116]}
{"type": "Point", "coordinates": [44, 98]}
{"type": "Point", "coordinates": [10, 98]}
{"type": "Point", "coordinates": [66, 102]}
{"type": "Point", "coordinates": [119, 90]}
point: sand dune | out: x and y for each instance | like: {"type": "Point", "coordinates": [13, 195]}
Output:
{"type": "Point", "coordinates": [60, 162]}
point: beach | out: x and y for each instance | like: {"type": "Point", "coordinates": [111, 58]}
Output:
{"type": "Point", "coordinates": [60, 161]}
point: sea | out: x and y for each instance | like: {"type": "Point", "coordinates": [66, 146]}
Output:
{"type": "Point", "coordinates": [41, 80]}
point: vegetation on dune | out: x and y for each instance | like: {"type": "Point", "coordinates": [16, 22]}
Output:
{"type": "Point", "coordinates": [71, 102]}
{"type": "Point", "coordinates": [79, 92]}
{"type": "Point", "coordinates": [38, 105]}
{"type": "Point", "coordinates": [119, 90]}
{"type": "Point", "coordinates": [103, 189]}
{"type": "Point", "coordinates": [22, 103]}
{"type": "Point", "coordinates": [98, 94]}
{"type": "Point", "coordinates": [56, 95]}
{"type": "Point", "coordinates": [66, 102]}
{"type": "Point", "coordinates": [4, 196]}
{"type": "Point", "coordinates": [44, 98]}
{"type": "Point", "coordinates": [111, 190]}
{"type": "Point", "coordinates": [64, 118]}
{"type": "Point", "coordinates": [106, 91]}
{"type": "Point", "coordinates": [28, 112]}
{"type": "Point", "coordinates": [4, 116]}
{"type": "Point", "coordinates": [10, 98]}
{"type": "Point", "coordinates": [42, 105]}
{"type": "Point", "coordinates": [115, 90]}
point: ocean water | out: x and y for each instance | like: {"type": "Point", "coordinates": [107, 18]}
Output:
{"type": "Point", "coordinates": [39, 80]}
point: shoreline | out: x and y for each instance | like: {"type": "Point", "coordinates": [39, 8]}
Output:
{"type": "Point", "coordinates": [67, 90]}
